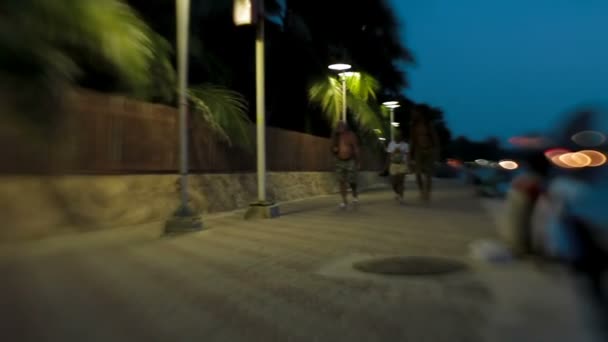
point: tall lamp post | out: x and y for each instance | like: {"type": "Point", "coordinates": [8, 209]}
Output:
{"type": "Point", "coordinates": [343, 75]}
{"type": "Point", "coordinates": [247, 12]}
{"type": "Point", "coordinates": [392, 105]}
{"type": "Point", "coordinates": [184, 219]}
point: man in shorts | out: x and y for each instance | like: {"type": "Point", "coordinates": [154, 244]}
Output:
{"type": "Point", "coordinates": [346, 149]}
{"type": "Point", "coordinates": [424, 144]}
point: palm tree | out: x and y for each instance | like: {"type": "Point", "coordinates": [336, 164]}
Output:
{"type": "Point", "coordinates": [45, 46]}
{"type": "Point", "coordinates": [360, 99]}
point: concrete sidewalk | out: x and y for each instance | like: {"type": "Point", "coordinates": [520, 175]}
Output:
{"type": "Point", "coordinates": [287, 279]}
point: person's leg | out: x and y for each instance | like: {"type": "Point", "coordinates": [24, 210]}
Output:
{"type": "Point", "coordinates": [394, 181]}
{"type": "Point", "coordinates": [428, 184]}
{"type": "Point", "coordinates": [400, 185]}
{"type": "Point", "coordinates": [418, 168]}
{"type": "Point", "coordinates": [341, 173]}
{"type": "Point", "coordinates": [343, 191]}
{"type": "Point", "coordinates": [432, 159]}
{"type": "Point", "coordinates": [352, 179]}
{"type": "Point", "coordinates": [353, 187]}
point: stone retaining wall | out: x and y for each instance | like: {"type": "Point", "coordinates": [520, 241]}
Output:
{"type": "Point", "coordinates": [36, 206]}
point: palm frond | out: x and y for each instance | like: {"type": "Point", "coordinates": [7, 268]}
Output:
{"type": "Point", "coordinates": [106, 29]}
{"type": "Point", "coordinates": [366, 114]}
{"type": "Point", "coordinates": [362, 85]}
{"type": "Point", "coordinates": [327, 94]}
{"type": "Point", "coordinates": [225, 111]}
{"type": "Point", "coordinates": [362, 89]}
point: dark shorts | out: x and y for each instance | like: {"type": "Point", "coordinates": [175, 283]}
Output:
{"type": "Point", "coordinates": [346, 170]}
{"type": "Point", "coordinates": [425, 160]}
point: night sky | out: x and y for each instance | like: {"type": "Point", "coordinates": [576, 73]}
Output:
{"type": "Point", "coordinates": [506, 67]}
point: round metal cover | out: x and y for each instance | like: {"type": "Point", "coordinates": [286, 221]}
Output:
{"type": "Point", "coordinates": [412, 265]}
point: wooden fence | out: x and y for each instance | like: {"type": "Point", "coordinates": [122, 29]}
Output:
{"type": "Point", "coordinates": [102, 134]}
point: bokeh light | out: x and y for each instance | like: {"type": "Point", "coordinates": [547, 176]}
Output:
{"type": "Point", "coordinates": [575, 159]}
{"type": "Point", "coordinates": [556, 160]}
{"type": "Point", "coordinates": [597, 158]}
{"type": "Point", "coordinates": [589, 138]}
{"type": "Point", "coordinates": [556, 152]}
{"type": "Point", "coordinates": [508, 164]}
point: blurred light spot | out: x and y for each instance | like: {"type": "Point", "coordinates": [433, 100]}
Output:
{"type": "Point", "coordinates": [530, 142]}
{"type": "Point", "coordinates": [556, 152]}
{"type": "Point", "coordinates": [382, 139]}
{"type": "Point", "coordinates": [589, 138]}
{"type": "Point", "coordinates": [508, 164]}
{"type": "Point", "coordinates": [575, 160]}
{"type": "Point", "coordinates": [597, 158]}
{"type": "Point", "coordinates": [482, 162]}
{"type": "Point", "coordinates": [395, 124]}
{"type": "Point", "coordinates": [558, 162]}
{"type": "Point", "coordinates": [454, 163]}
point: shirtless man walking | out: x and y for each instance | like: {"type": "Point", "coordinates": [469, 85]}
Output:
{"type": "Point", "coordinates": [424, 147]}
{"type": "Point", "coordinates": [346, 149]}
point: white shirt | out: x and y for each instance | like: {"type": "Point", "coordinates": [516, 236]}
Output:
{"type": "Point", "coordinates": [403, 147]}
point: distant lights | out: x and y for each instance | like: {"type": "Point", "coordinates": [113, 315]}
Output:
{"type": "Point", "coordinates": [508, 164]}
{"type": "Point", "coordinates": [589, 138]}
{"type": "Point", "coordinates": [566, 159]}
{"type": "Point", "coordinates": [596, 158]}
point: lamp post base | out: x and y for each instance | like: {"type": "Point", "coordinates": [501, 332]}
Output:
{"type": "Point", "coordinates": [184, 220]}
{"type": "Point", "coordinates": [262, 210]}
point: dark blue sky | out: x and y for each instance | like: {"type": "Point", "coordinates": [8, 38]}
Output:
{"type": "Point", "coordinates": [506, 67]}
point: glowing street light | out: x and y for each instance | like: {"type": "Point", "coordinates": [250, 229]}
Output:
{"type": "Point", "coordinates": [342, 67]}
{"type": "Point", "coordinates": [392, 105]}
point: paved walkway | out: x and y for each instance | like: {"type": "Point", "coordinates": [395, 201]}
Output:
{"type": "Point", "coordinates": [287, 279]}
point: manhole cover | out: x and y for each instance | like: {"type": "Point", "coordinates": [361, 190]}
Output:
{"type": "Point", "coordinates": [410, 266]}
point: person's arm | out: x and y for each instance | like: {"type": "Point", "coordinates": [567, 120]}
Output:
{"type": "Point", "coordinates": [389, 150]}
{"type": "Point", "coordinates": [334, 143]}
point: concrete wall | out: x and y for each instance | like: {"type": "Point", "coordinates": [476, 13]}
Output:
{"type": "Point", "coordinates": [39, 206]}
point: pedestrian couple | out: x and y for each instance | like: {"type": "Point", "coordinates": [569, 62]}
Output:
{"type": "Point", "coordinates": [420, 154]}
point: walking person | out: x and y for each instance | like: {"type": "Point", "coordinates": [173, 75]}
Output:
{"type": "Point", "coordinates": [345, 147]}
{"type": "Point", "coordinates": [398, 155]}
{"type": "Point", "coordinates": [424, 148]}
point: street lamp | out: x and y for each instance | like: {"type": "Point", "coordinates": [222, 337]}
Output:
{"type": "Point", "coordinates": [392, 105]}
{"type": "Point", "coordinates": [342, 67]}
{"type": "Point", "coordinates": [184, 219]}
{"type": "Point", "coordinates": [252, 12]}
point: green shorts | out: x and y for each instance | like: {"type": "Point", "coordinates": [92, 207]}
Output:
{"type": "Point", "coordinates": [425, 160]}
{"type": "Point", "coordinates": [346, 170]}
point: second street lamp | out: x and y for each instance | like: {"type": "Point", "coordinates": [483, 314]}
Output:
{"type": "Point", "coordinates": [392, 105]}
{"type": "Point", "coordinates": [342, 67]}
